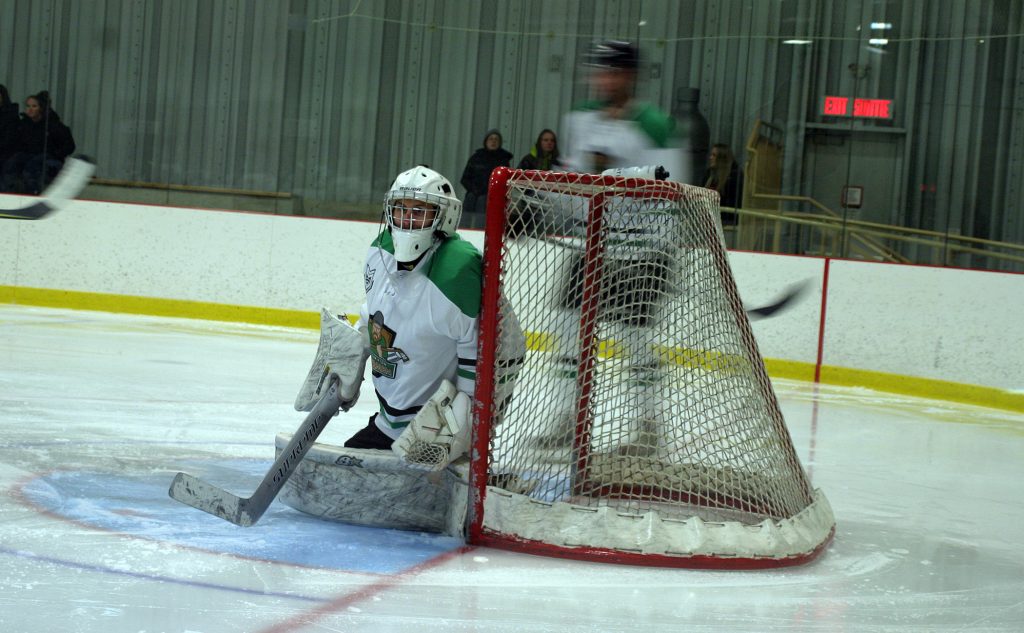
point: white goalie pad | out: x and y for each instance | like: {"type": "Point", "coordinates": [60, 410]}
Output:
{"type": "Point", "coordinates": [376, 489]}
{"type": "Point", "coordinates": [342, 352]}
{"type": "Point", "coordinates": [440, 432]}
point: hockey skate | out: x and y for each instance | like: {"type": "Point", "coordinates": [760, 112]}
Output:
{"type": "Point", "coordinates": [511, 483]}
{"type": "Point", "coordinates": [642, 432]}
{"type": "Point", "coordinates": [643, 441]}
{"type": "Point", "coordinates": [558, 430]}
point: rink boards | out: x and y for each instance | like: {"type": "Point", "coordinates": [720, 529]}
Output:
{"type": "Point", "coordinates": [910, 329]}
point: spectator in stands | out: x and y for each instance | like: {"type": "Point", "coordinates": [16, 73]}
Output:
{"type": "Point", "coordinates": [41, 144]}
{"type": "Point", "coordinates": [724, 176]}
{"type": "Point", "coordinates": [8, 124]}
{"type": "Point", "coordinates": [544, 153]}
{"type": "Point", "coordinates": [477, 174]}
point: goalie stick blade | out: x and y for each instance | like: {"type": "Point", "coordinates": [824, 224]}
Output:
{"type": "Point", "coordinates": [246, 512]}
{"type": "Point", "coordinates": [211, 499]}
{"type": "Point", "coordinates": [68, 184]}
{"type": "Point", "coordinates": [778, 306]}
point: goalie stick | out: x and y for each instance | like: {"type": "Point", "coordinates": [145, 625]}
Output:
{"type": "Point", "coordinates": [70, 182]}
{"type": "Point", "coordinates": [246, 511]}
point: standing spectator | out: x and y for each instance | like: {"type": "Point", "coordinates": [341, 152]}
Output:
{"type": "Point", "coordinates": [724, 176]}
{"type": "Point", "coordinates": [477, 174]}
{"type": "Point", "coordinates": [614, 129]}
{"type": "Point", "coordinates": [42, 143]}
{"type": "Point", "coordinates": [8, 125]}
{"type": "Point", "coordinates": [544, 153]}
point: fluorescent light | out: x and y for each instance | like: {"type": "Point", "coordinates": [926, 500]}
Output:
{"type": "Point", "coordinates": [796, 41]}
{"type": "Point", "coordinates": [878, 41]}
{"type": "Point", "coordinates": [881, 26]}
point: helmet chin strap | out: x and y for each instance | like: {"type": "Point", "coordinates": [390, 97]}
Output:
{"type": "Point", "coordinates": [412, 264]}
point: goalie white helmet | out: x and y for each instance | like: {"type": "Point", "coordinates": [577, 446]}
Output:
{"type": "Point", "coordinates": [414, 229]}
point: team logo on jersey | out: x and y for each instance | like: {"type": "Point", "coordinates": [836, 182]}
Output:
{"type": "Point", "coordinates": [368, 277]}
{"type": "Point", "coordinates": [384, 356]}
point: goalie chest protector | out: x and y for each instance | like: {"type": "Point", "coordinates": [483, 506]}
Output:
{"type": "Point", "coordinates": [420, 321]}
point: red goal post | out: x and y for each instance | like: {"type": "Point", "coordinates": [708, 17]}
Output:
{"type": "Point", "coordinates": [641, 426]}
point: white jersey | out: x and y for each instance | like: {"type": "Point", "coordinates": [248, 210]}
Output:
{"type": "Point", "coordinates": [422, 325]}
{"type": "Point", "coordinates": [594, 142]}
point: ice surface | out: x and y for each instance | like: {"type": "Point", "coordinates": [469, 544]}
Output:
{"type": "Point", "coordinates": [99, 411]}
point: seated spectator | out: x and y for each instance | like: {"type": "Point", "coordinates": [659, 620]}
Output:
{"type": "Point", "coordinates": [477, 175]}
{"type": "Point", "coordinates": [8, 124]}
{"type": "Point", "coordinates": [42, 143]}
{"type": "Point", "coordinates": [544, 153]}
{"type": "Point", "coordinates": [724, 176]}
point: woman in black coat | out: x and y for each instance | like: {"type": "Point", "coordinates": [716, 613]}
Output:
{"type": "Point", "coordinates": [477, 174]}
{"type": "Point", "coordinates": [724, 176]}
{"type": "Point", "coordinates": [543, 155]}
{"type": "Point", "coordinates": [8, 125]}
{"type": "Point", "coordinates": [42, 142]}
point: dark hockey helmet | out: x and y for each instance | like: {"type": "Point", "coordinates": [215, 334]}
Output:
{"type": "Point", "coordinates": [613, 54]}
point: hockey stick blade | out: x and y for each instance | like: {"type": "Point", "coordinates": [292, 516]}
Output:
{"type": "Point", "coordinates": [195, 492]}
{"type": "Point", "coordinates": [783, 303]}
{"type": "Point", "coordinates": [70, 182]}
{"type": "Point", "coordinates": [243, 511]}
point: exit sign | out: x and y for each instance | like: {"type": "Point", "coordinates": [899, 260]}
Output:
{"type": "Point", "coordinates": [857, 108]}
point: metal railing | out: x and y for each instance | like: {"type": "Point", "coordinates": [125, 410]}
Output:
{"type": "Point", "coordinates": [829, 234]}
{"type": "Point", "coordinates": [796, 232]}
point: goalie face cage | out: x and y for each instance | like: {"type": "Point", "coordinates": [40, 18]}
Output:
{"type": "Point", "coordinates": [642, 427]}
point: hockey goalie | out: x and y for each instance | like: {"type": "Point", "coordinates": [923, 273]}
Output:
{"type": "Point", "coordinates": [418, 329]}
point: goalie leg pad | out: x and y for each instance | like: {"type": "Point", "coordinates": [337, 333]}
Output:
{"type": "Point", "coordinates": [374, 488]}
{"type": "Point", "coordinates": [440, 432]}
{"type": "Point", "coordinates": [342, 352]}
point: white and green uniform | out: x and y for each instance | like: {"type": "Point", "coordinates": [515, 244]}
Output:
{"type": "Point", "coordinates": [643, 240]}
{"type": "Point", "coordinates": [422, 325]}
{"type": "Point", "coordinates": [646, 136]}
{"type": "Point", "coordinates": [593, 141]}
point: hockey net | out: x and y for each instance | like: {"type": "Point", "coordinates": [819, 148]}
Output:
{"type": "Point", "coordinates": [640, 426]}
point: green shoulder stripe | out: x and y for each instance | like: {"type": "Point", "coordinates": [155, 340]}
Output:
{"type": "Point", "coordinates": [457, 271]}
{"type": "Point", "coordinates": [385, 242]}
{"type": "Point", "coordinates": [589, 105]}
{"type": "Point", "coordinates": [659, 126]}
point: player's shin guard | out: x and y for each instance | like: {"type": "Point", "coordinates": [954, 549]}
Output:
{"type": "Point", "coordinates": [644, 375]}
{"type": "Point", "coordinates": [556, 432]}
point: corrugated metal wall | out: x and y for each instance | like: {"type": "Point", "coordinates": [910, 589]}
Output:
{"type": "Point", "coordinates": [329, 99]}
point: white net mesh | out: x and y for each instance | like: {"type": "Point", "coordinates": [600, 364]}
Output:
{"type": "Point", "coordinates": [642, 390]}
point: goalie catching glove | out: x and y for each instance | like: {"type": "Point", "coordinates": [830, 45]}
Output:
{"type": "Point", "coordinates": [342, 352]}
{"type": "Point", "coordinates": [440, 432]}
